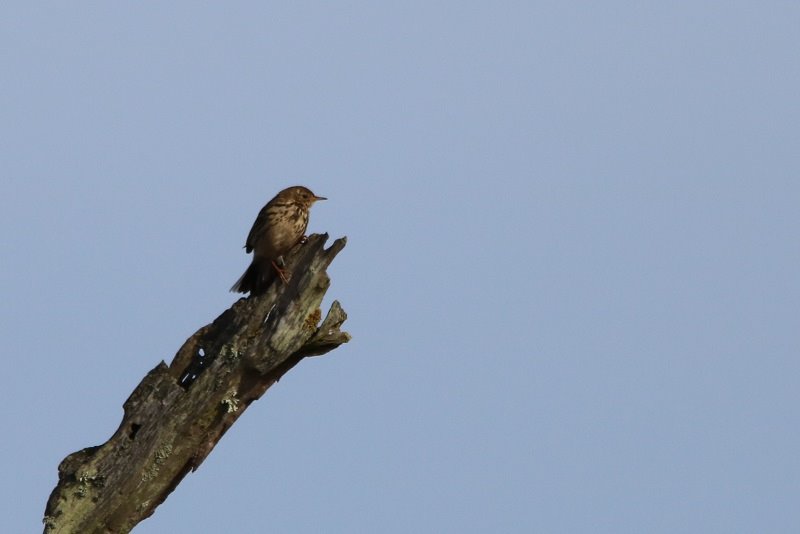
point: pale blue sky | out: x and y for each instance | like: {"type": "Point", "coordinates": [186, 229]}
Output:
{"type": "Point", "coordinates": [571, 275]}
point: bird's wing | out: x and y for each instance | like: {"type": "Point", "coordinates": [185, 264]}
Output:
{"type": "Point", "coordinates": [258, 227]}
{"type": "Point", "coordinates": [264, 220]}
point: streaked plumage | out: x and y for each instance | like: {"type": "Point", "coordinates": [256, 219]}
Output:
{"type": "Point", "coordinates": [280, 225]}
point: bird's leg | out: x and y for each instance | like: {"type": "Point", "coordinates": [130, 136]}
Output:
{"type": "Point", "coordinates": [282, 273]}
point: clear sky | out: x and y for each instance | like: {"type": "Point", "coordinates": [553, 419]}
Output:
{"type": "Point", "coordinates": [572, 272]}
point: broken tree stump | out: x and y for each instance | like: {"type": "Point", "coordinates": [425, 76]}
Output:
{"type": "Point", "coordinates": [178, 413]}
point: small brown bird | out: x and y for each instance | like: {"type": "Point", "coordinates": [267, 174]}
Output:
{"type": "Point", "coordinates": [280, 225]}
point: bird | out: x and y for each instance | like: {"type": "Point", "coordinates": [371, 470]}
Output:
{"type": "Point", "coordinates": [280, 225]}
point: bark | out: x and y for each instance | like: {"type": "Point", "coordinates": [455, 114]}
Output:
{"type": "Point", "coordinates": [178, 413]}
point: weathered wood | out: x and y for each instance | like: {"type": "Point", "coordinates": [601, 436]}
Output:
{"type": "Point", "coordinates": [178, 413]}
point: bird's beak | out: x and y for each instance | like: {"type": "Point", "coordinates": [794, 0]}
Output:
{"type": "Point", "coordinates": [319, 198]}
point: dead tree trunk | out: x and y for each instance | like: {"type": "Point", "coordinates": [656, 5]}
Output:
{"type": "Point", "coordinates": [179, 412]}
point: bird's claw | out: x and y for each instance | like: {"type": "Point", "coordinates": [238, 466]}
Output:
{"type": "Point", "coordinates": [283, 274]}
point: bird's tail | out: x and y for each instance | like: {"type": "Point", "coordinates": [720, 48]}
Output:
{"type": "Point", "coordinates": [245, 282]}
{"type": "Point", "coordinates": [254, 280]}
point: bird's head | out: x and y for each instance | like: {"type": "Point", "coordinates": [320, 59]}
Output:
{"type": "Point", "coordinates": [301, 195]}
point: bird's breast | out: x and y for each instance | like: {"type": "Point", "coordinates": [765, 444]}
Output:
{"type": "Point", "coordinates": [287, 224]}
